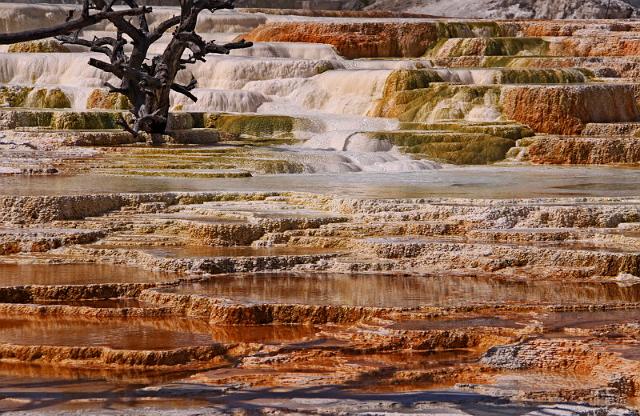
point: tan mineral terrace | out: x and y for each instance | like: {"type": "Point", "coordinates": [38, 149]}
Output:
{"type": "Point", "coordinates": [192, 301]}
{"type": "Point", "coordinates": [368, 212]}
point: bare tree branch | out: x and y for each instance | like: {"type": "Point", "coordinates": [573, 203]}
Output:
{"type": "Point", "coordinates": [96, 45]}
{"type": "Point", "coordinates": [119, 22]}
{"type": "Point", "coordinates": [123, 123]}
{"type": "Point", "coordinates": [70, 26]}
{"type": "Point", "coordinates": [113, 89]}
{"type": "Point", "coordinates": [225, 49]}
{"type": "Point", "coordinates": [186, 89]}
{"type": "Point", "coordinates": [146, 84]}
{"type": "Point", "coordinates": [163, 27]}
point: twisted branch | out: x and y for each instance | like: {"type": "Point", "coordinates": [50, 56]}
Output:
{"type": "Point", "coordinates": [146, 84]}
{"type": "Point", "coordinates": [71, 25]}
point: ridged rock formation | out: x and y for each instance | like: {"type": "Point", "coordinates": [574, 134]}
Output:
{"type": "Point", "coordinates": [585, 150]}
{"type": "Point", "coordinates": [475, 285]}
{"type": "Point", "coordinates": [567, 109]}
{"type": "Point", "coordinates": [536, 46]}
{"type": "Point", "coordinates": [516, 9]}
{"type": "Point", "coordinates": [325, 235]}
{"type": "Point", "coordinates": [354, 40]}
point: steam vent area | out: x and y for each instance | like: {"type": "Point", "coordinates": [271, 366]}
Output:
{"type": "Point", "coordinates": [365, 213]}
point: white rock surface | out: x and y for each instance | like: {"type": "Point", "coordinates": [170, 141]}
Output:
{"type": "Point", "coordinates": [510, 9]}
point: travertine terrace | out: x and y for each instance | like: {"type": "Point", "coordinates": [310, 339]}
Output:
{"type": "Point", "coordinates": [364, 213]}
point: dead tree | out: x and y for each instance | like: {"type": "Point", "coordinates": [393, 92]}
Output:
{"type": "Point", "coordinates": [147, 83]}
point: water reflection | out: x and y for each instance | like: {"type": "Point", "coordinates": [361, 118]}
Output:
{"type": "Point", "coordinates": [467, 182]}
{"type": "Point", "coordinates": [141, 334]}
{"type": "Point", "coordinates": [131, 334]}
{"type": "Point", "coordinates": [588, 319]}
{"type": "Point", "coordinates": [402, 291]}
{"type": "Point", "coordinates": [77, 274]}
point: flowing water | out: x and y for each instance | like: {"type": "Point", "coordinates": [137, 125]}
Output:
{"type": "Point", "coordinates": [306, 80]}
{"type": "Point", "coordinates": [331, 101]}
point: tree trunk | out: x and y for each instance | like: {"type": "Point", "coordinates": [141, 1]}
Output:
{"type": "Point", "coordinates": [147, 86]}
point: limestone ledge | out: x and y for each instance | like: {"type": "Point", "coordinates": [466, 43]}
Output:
{"type": "Point", "coordinates": [584, 150]}
{"type": "Point", "coordinates": [39, 293]}
{"type": "Point", "coordinates": [41, 240]}
{"type": "Point", "coordinates": [218, 311]}
{"type": "Point", "coordinates": [32, 209]}
{"type": "Point", "coordinates": [182, 358]}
